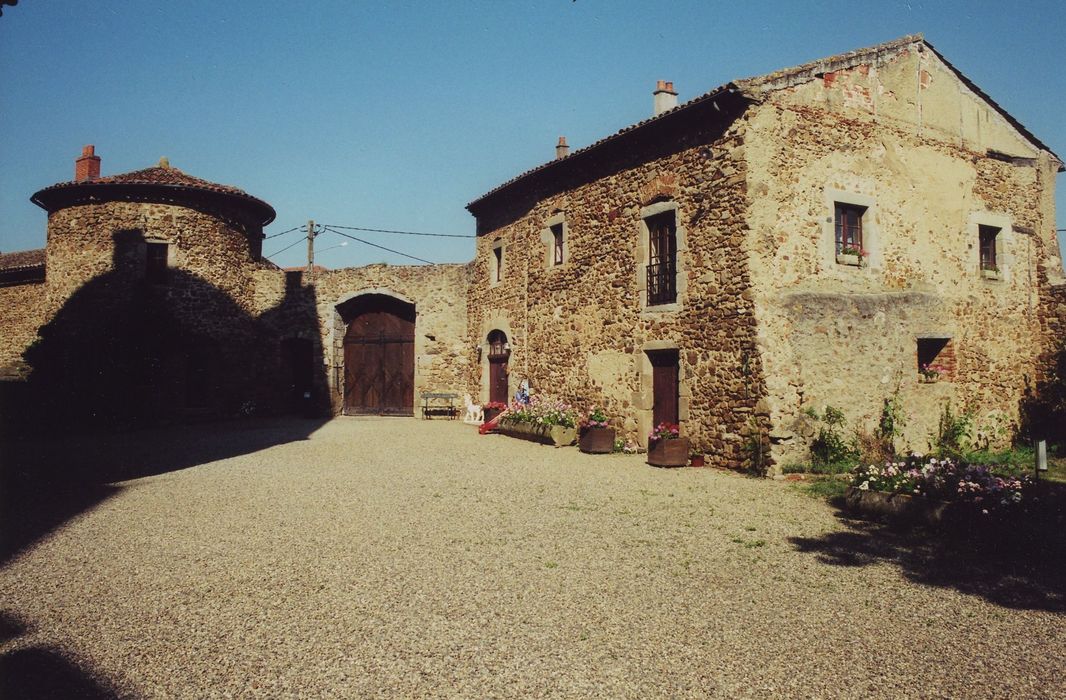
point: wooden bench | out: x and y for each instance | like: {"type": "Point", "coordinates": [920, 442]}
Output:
{"type": "Point", "coordinates": [440, 403]}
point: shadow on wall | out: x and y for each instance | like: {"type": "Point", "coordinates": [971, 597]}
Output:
{"type": "Point", "coordinates": [37, 672]}
{"type": "Point", "coordinates": [1043, 411]}
{"type": "Point", "coordinates": [1012, 565]}
{"type": "Point", "coordinates": [118, 377]}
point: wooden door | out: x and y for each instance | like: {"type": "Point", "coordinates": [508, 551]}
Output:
{"type": "Point", "coordinates": [664, 386]}
{"type": "Point", "coordinates": [498, 386]}
{"type": "Point", "coordinates": [499, 353]}
{"type": "Point", "coordinates": [379, 361]}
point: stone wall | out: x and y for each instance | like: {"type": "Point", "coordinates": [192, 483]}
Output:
{"type": "Point", "coordinates": [22, 311]}
{"type": "Point", "coordinates": [580, 331]}
{"type": "Point", "coordinates": [438, 292]}
{"type": "Point", "coordinates": [910, 142]}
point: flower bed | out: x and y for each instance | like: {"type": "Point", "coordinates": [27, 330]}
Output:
{"type": "Point", "coordinates": [933, 490]}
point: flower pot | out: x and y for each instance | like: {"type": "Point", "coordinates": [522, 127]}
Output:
{"type": "Point", "coordinates": [848, 259]}
{"type": "Point", "coordinates": [596, 440]}
{"type": "Point", "coordinates": [491, 413]}
{"type": "Point", "coordinates": [669, 453]}
{"type": "Point", "coordinates": [697, 461]}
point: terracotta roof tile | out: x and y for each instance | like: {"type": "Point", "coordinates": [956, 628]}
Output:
{"type": "Point", "coordinates": [22, 259]}
{"type": "Point", "coordinates": [156, 175]}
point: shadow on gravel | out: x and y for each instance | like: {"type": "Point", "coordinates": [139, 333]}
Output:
{"type": "Point", "coordinates": [1019, 565]}
{"type": "Point", "coordinates": [43, 484]}
{"type": "Point", "coordinates": [45, 673]}
{"type": "Point", "coordinates": [36, 672]}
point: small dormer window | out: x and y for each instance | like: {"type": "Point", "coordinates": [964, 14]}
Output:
{"type": "Point", "coordinates": [155, 263]}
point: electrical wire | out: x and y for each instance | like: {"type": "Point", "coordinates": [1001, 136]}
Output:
{"type": "Point", "coordinates": [405, 233]}
{"type": "Point", "coordinates": [375, 245]}
{"type": "Point", "coordinates": [275, 235]}
{"type": "Point", "coordinates": [298, 242]}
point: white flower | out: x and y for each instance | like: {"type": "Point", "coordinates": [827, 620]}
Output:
{"type": "Point", "coordinates": [864, 486]}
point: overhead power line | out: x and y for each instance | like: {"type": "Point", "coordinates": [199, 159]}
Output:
{"type": "Point", "coordinates": [405, 233]}
{"type": "Point", "coordinates": [275, 235]}
{"type": "Point", "coordinates": [375, 245]}
{"type": "Point", "coordinates": [298, 242]}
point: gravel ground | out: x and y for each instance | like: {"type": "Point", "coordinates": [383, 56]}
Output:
{"type": "Point", "coordinates": [407, 558]}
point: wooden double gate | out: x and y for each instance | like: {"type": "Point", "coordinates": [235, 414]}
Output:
{"type": "Point", "coordinates": [379, 358]}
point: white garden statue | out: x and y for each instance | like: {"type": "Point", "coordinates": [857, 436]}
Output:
{"type": "Point", "coordinates": [474, 414]}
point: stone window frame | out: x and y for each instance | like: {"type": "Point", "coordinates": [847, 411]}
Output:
{"type": "Point", "coordinates": [644, 399]}
{"type": "Point", "coordinates": [643, 254]}
{"type": "Point", "coordinates": [1004, 239]}
{"type": "Point", "coordinates": [871, 233]}
{"type": "Point", "coordinates": [497, 262]}
{"type": "Point", "coordinates": [142, 254]}
{"type": "Point", "coordinates": [547, 237]}
{"type": "Point", "coordinates": [939, 348]}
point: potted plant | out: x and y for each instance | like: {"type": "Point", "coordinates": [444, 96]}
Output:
{"type": "Point", "coordinates": [493, 409]}
{"type": "Point", "coordinates": [931, 373]}
{"type": "Point", "coordinates": [666, 447]}
{"type": "Point", "coordinates": [696, 459]}
{"type": "Point", "coordinates": [990, 272]}
{"type": "Point", "coordinates": [596, 436]}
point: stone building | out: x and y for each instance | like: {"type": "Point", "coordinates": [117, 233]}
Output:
{"type": "Point", "coordinates": [782, 243]}
{"type": "Point", "coordinates": [807, 238]}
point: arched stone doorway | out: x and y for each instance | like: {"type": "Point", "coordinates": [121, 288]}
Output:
{"type": "Point", "coordinates": [499, 352]}
{"type": "Point", "coordinates": [379, 355]}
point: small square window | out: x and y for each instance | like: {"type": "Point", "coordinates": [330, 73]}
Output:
{"type": "Point", "coordinates": [155, 263]}
{"type": "Point", "coordinates": [988, 237]}
{"type": "Point", "coordinates": [848, 223]}
{"type": "Point", "coordinates": [936, 359]}
{"type": "Point", "coordinates": [557, 244]}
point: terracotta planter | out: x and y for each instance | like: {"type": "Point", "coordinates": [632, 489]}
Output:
{"type": "Point", "coordinates": [491, 413]}
{"type": "Point", "coordinates": [697, 461]}
{"type": "Point", "coordinates": [597, 441]}
{"type": "Point", "coordinates": [545, 434]}
{"type": "Point", "coordinates": [669, 453]}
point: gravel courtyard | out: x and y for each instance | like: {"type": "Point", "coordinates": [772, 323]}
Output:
{"type": "Point", "coordinates": [406, 558]}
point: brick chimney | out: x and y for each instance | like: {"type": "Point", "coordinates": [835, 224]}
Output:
{"type": "Point", "coordinates": [665, 97]}
{"type": "Point", "coordinates": [561, 149]}
{"type": "Point", "coordinates": [88, 166]}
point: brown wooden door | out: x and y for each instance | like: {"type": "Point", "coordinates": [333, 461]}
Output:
{"type": "Point", "coordinates": [498, 387]}
{"type": "Point", "coordinates": [499, 353]}
{"type": "Point", "coordinates": [379, 362]}
{"type": "Point", "coordinates": [664, 386]}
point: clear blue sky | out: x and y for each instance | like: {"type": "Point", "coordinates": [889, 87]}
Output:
{"type": "Point", "coordinates": [395, 115]}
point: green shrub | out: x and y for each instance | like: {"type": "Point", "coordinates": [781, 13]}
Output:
{"type": "Point", "coordinates": [830, 447]}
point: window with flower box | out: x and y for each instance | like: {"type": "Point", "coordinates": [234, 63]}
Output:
{"type": "Point", "coordinates": [848, 225]}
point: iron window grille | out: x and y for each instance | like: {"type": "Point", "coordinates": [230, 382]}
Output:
{"type": "Point", "coordinates": [662, 260]}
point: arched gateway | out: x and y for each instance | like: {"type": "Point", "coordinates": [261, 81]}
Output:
{"type": "Point", "coordinates": [379, 355]}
